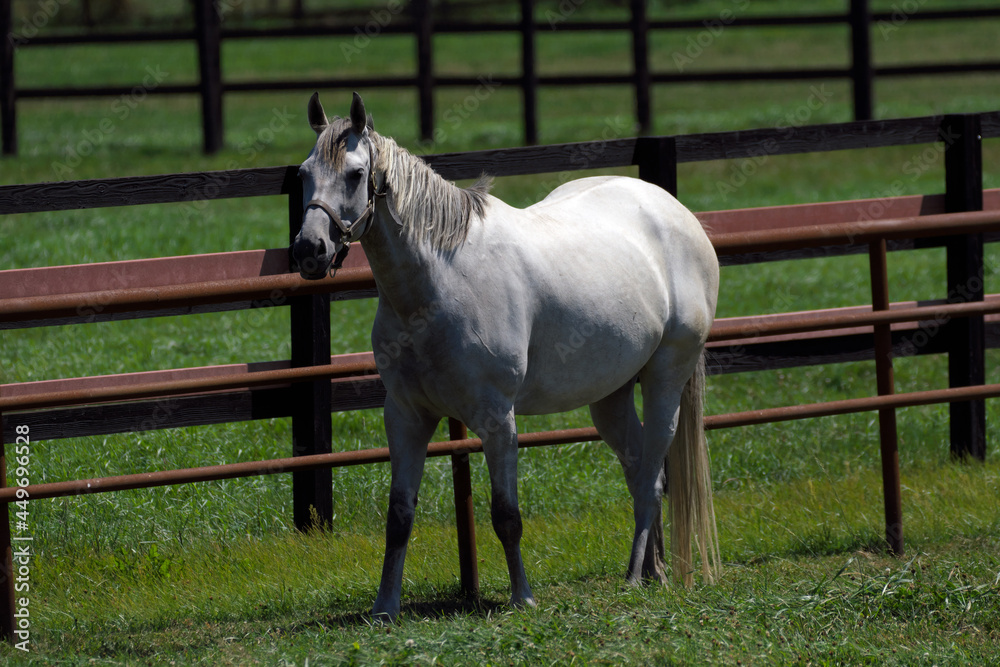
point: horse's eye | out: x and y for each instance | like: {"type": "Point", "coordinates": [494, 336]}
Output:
{"type": "Point", "coordinates": [357, 174]}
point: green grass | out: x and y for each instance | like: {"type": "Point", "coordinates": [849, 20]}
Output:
{"type": "Point", "coordinates": [804, 581]}
{"type": "Point", "coordinates": [214, 573]}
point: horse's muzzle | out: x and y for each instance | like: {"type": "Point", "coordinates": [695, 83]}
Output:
{"type": "Point", "coordinates": [312, 260]}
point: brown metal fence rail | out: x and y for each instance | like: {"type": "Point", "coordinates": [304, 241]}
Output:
{"type": "Point", "coordinates": [311, 371]}
{"type": "Point", "coordinates": [419, 21]}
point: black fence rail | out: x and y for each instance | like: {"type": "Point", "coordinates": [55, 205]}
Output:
{"type": "Point", "coordinates": [417, 18]}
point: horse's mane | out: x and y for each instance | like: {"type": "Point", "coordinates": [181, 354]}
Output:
{"type": "Point", "coordinates": [430, 209]}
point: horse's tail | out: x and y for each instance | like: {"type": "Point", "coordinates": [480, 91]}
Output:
{"type": "Point", "coordinates": [692, 514]}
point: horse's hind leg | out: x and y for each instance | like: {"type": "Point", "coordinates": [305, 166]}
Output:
{"type": "Point", "coordinates": [499, 433]}
{"type": "Point", "coordinates": [408, 435]}
{"type": "Point", "coordinates": [662, 381]}
{"type": "Point", "coordinates": [616, 420]}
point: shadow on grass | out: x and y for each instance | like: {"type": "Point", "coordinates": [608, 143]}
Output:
{"type": "Point", "coordinates": [443, 607]}
{"type": "Point", "coordinates": [202, 634]}
{"type": "Point", "coordinates": [817, 545]}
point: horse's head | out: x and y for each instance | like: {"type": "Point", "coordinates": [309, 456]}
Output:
{"type": "Point", "coordinates": [338, 188]}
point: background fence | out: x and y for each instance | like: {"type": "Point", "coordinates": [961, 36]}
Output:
{"type": "Point", "coordinates": [418, 19]}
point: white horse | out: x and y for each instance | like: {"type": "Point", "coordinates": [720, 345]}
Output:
{"type": "Point", "coordinates": [486, 311]}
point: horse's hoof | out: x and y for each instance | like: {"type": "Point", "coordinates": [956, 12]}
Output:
{"type": "Point", "coordinates": [656, 575]}
{"type": "Point", "coordinates": [523, 603]}
{"type": "Point", "coordinates": [383, 618]}
{"type": "Point", "coordinates": [383, 614]}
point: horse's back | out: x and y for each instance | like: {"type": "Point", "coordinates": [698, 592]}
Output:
{"type": "Point", "coordinates": [624, 207]}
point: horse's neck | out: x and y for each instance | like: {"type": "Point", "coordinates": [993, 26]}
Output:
{"type": "Point", "coordinates": [399, 265]}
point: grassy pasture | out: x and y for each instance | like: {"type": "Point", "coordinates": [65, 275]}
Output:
{"type": "Point", "coordinates": [214, 573]}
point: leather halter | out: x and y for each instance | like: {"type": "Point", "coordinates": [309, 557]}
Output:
{"type": "Point", "coordinates": [352, 231]}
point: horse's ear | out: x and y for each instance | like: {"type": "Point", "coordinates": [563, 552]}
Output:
{"type": "Point", "coordinates": [359, 119]}
{"type": "Point", "coordinates": [317, 117]}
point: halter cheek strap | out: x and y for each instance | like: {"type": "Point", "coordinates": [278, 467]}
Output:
{"type": "Point", "coordinates": [349, 233]}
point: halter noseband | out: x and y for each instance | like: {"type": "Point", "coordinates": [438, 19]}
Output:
{"type": "Point", "coordinates": [354, 231]}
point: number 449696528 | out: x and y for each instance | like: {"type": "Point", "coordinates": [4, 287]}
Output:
{"type": "Point", "coordinates": [22, 454]}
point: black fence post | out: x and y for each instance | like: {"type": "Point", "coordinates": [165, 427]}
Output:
{"type": "Point", "coordinates": [209, 33]}
{"type": "Point", "coordinates": [862, 73]}
{"type": "Point", "coordinates": [963, 159]}
{"type": "Point", "coordinates": [312, 427]}
{"type": "Point", "coordinates": [424, 22]}
{"type": "Point", "coordinates": [529, 75]}
{"type": "Point", "coordinates": [640, 65]}
{"type": "Point", "coordinates": [657, 160]}
{"type": "Point", "coordinates": [8, 93]}
{"type": "Point", "coordinates": [88, 14]}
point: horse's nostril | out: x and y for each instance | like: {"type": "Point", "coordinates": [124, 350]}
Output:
{"type": "Point", "coordinates": [322, 249]}
{"type": "Point", "coordinates": [309, 265]}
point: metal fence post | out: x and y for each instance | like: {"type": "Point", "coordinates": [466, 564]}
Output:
{"type": "Point", "coordinates": [209, 33]}
{"type": "Point", "coordinates": [464, 514]}
{"type": "Point", "coordinates": [312, 427]}
{"type": "Point", "coordinates": [8, 93]}
{"type": "Point", "coordinates": [888, 440]}
{"type": "Point", "coordinates": [963, 160]}
{"type": "Point", "coordinates": [862, 73]}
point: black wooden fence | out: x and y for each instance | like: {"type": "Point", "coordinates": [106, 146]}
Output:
{"type": "Point", "coordinates": [417, 18]}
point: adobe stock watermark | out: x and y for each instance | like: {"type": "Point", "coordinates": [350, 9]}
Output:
{"type": "Point", "coordinates": [419, 321]}
{"type": "Point", "coordinates": [900, 16]}
{"type": "Point", "coordinates": [93, 305]}
{"type": "Point", "coordinates": [585, 155]}
{"type": "Point", "coordinates": [21, 551]}
{"type": "Point", "coordinates": [576, 339]}
{"type": "Point", "coordinates": [119, 111]}
{"type": "Point", "coordinates": [266, 135]}
{"type": "Point", "coordinates": [729, 357]}
{"type": "Point", "coordinates": [45, 11]}
{"type": "Point", "coordinates": [743, 170]}
{"type": "Point", "coordinates": [159, 417]}
{"type": "Point", "coordinates": [927, 330]}
{"type": "Point", "coordinates": [364, 34]}
{"type": "Point", "coordinates": [455, 115]}
{"type": "Point", "coordinates": [914, 167]}
{"type": "Point", "coordinates": [562, 12]}
{"type": "Point", "coordinates": [249, 148]}
{"type": "Point", "coordinates": [713, 28]}
{"type": "Point", "coordinates": [227, 7]}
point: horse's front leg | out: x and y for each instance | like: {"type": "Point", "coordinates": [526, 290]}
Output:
{"type": "Point", "coordinates": [408, 434]}
{"type": "Point", "coordinates": [499, 433]}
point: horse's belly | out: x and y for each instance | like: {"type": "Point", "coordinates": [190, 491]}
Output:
{"type": "Point", "coordinates": [581, 367]}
